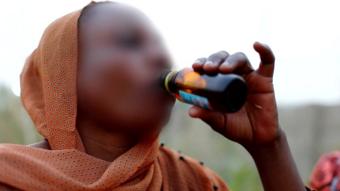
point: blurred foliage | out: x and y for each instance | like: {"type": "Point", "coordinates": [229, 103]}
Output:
{"type": "Point", "coordinates": [15, 125]}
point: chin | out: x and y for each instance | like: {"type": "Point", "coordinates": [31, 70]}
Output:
{"type": "Point", "coordinates": [154, 123]}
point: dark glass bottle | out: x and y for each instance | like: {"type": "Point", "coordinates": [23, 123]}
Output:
{"type": "Point", "coordinates": [219, 92]}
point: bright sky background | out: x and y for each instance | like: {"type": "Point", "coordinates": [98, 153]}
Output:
{"type": "Point", "coordinates": [304, 35]}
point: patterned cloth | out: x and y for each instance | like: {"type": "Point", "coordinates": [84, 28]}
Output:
{"type": "Point", "coordinates": [326, 173]}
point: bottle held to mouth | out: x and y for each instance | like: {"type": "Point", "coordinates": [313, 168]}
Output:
{"type": "Point", "coordinates": [219, 92]}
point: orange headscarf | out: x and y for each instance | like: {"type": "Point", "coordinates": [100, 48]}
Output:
{"type": "Point", "coordinates": [48, 83]}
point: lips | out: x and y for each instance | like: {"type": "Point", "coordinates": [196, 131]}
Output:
{"type": "Point", "coordinates": [157, 94]}
{"type": "Point", "coordinates": [149, 90]}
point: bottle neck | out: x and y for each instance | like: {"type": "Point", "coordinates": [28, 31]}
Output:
{"type": "Point", "coordinates": [168, 81]}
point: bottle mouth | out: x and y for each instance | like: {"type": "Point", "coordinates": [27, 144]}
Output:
{"type": "Point", "coordinates": [165, 78]}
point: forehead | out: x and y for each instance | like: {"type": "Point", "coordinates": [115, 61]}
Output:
{"type": "Point", "coordinates": [116, 16]}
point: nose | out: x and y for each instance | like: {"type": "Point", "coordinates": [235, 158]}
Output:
{"type": "Point", "coordinates": [158, 57]}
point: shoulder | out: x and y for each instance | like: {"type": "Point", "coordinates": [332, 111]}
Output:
{"type": "Point", "coordinates": [5, 148]}
{"type": "Point", "coordinates": [328, 160]}
{"type": "Point", "coordinates": [189, 169]}
{"type": "Point", "coordinates": [42, 145]}
{"type": "Point", "coordinates": [325, 170]}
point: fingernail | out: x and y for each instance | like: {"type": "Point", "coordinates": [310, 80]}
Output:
{"type": "Point", "coordinates": [193, 112]}
{"type": "Point", "coordinates": [225, 65]}
{"type": "Point", "coordinates": [198, 61]}
{"type": "Point", "coordinates": [211, 63]}
{"type": "Point", "coordinates": [261, 43]}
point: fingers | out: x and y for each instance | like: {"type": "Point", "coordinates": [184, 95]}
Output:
{"type": "Point", "coordinates": [210, 64]}
{"type": "Point", "coordinates": [266, 67]}
{"type": "Point", "coordinates": [198, 64]}
{"type": "Point", "coordinates": [215, 119]}
{"type": "Point", "coordinates": [237, 63]}
{"type": "Point", "coordinates": [214, 61]}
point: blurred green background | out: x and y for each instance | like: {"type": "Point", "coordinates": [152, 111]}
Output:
{"type": "Point", "coordinates": [311, 129]}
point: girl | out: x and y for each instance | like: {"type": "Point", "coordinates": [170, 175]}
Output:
{"type": "Point", "coordinates": [90, 90]}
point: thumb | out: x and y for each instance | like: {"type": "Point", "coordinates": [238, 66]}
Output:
{"type": "Point", "coordinates": [266, 67]}
{"type": "Point", "coordinates": [215, 119]}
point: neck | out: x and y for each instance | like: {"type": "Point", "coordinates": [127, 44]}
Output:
{"type": "Point", "coordinates": [103, 142]}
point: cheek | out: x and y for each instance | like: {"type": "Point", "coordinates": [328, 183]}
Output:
{"type": "Point", "coordinates": [107, 103]}
{"type": "Point", "coordinates": [111, 95]}
{"type": "Point", "coordinates": [115, 89]}
{"type": "Point", "coordinates": [118, 103]}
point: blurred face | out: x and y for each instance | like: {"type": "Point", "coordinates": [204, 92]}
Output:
{"type": "Point", "coordinates": [121, 58]}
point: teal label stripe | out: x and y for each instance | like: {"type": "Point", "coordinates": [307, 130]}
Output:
{"type": "Point", "coordinates": [197, 100]}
